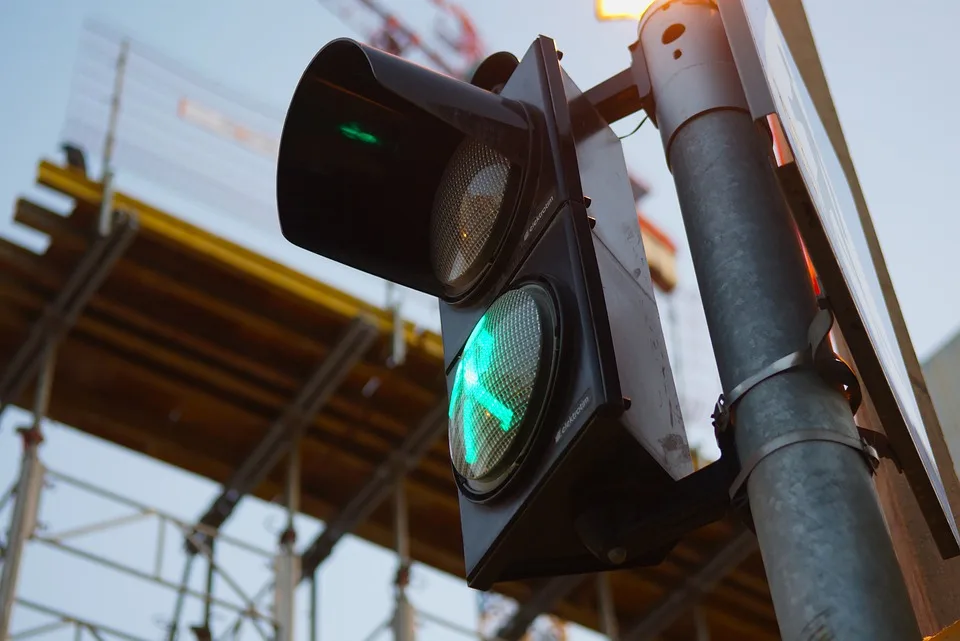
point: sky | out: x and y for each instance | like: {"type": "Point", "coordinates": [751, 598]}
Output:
{"type": "Point", "coordinates": [888, 74]}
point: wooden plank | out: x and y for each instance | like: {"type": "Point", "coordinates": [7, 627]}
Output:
{"type": "Point", "coordinates": [183, 235]}
{"type": "Point", "coordinates": [144, 288]}
{"type": "Point", "coordinates": [186, 372]}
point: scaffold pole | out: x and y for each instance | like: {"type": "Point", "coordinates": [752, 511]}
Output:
{"type": "Point", "coordinates": [288, 566]}
{"type": "Point", "coordinates": [29, 488]}
{"type": "Point", "coordinates": [403, 625]}
{"type": "Point", "coordinates": [608, 610]}
{"type": "Point", "coordinates": [106, 203]}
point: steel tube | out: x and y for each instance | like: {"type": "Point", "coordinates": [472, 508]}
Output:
{"type": "Point", "coordinates": [826, 549]}
{"type": "Point", "coordinates": [174, 629]}
{"type": "Point", "coordinates": [182, 588]}
{"type": "Point", "coordinates": [79, 623]}
{"type": "Point", "coordinates": [211, 574]}
{"type": "Point", "coordinates": [22, 524]}
{"type": "Point", "coordinates": [607, 607]}
{"type": "Point", "coordinates": [402, 624]}
{"type": "Point", "coordinates": [314, 607]}
{"type": "Point", "coordinates": [827, 552]}
{"type": "Point", "coordinates": [287, 561]}
{"type": "Point", "coordinates": [703, 627]}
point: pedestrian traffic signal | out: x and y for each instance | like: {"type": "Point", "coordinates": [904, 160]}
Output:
{"type": "Point", "coordinates": [510, 202]}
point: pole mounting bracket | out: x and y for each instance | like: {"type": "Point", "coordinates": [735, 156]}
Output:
{"type": "Point", "coordinates": [816, 352]}
{"type": "Point", "coordinates": [835, 371]}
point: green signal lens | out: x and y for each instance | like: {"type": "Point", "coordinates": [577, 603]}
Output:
{"type": "Point", "coordinates": [495, 384]}
{"type": "Point", "coordinates": [354, 131]}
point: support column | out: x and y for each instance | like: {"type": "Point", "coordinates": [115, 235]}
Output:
{"type": "Point", "coordinates": [314, 606]}
{"type": "Point", "coordinates": [828, 556]}
{"type": "Point", "coordinates": [403, 615]}
{"type": "Point", "coordinates": [204, 631]}
{"type": "Point", "coordinates": [288, 563]}
{"type": "Point", "coordinates": [29, 487]}
{"type": "Point", "coordinates": [173, 631]}
{"type": "Point", "coordinates": [700, 620]}
{"type": "Point", "coordinates": [106, 200]}
{"type": "Point", "coordinates": [398, 344]}
{"type": "Point", "coordinates": [608, 610]}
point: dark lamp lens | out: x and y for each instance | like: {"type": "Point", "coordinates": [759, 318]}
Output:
{"type": "Point", "coordinates": [466, 208]}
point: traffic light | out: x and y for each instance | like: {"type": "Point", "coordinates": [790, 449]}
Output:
{"type": "Point", "coordinates": [510, 202]}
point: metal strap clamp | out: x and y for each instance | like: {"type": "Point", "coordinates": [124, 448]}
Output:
{"type": "Point", "coordinates": [817, 353]}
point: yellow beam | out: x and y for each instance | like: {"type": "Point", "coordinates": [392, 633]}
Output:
{"type": "Point", "coordinates": [951, 633]}
{"type": "Point", "coordinates": [171, 229]}
{"type": "Point", "coordinates": [661, 255]}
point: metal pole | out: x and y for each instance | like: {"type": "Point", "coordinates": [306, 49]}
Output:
{"type": "Point", "coordinates": [29, 487]}
{"type": "Point", "coordinates": [828, 556]}
{"type": "Point", "coordinates": [174, 629]}
{"type": "Point", "coordinates": [398, 340]}
{"type": "Point", "coordinates": [608, 609]}
{"type": "Point", "coordinates": [211, 573]}
{"type": "Point", "coordinates": [314, 606]}
{"type": "Point", "coordinates": [703, 628]}
{"type": "Point", "coordinates": [403, 625]}
{"type": "Point", "coordinates": [106, 199]}
{"type": "Point", "coordinates": [22, 524]}
{"type": "Point", "coordinates": [287, 562]}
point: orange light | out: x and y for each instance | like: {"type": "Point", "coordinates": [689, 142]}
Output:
{"type": "Point", "coordinates": [781, 146]}
{"type": "Point", "coordinates": [621, 9]}
{"type": "Point", "coordinates": [811, 270]}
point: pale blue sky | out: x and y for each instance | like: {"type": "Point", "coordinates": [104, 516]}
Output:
{"type": "Point", "coordinates": [893, 86]}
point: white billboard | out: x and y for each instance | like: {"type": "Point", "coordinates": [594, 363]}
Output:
{"type": "Point", "coordinates": [850, 235]}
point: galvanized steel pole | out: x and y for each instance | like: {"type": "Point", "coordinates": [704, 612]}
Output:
{"type": "Point", "coordinates": [105, 221]}
{"type": "Point", "coordinates": [22, 524]}
{"type": "Point", "coordinates": [403, 615]}
{"type": "Point", "coordinates": [288, 562]}
{"type": "Point", "coordinates": [29, 487]}
{"type": "Point", "coordinates": [828, 556]}
{"type": "Point", "coordinates": [607, 606]}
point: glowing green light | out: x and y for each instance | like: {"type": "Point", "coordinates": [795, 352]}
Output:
{"type": "Point", "coordinates": [354, 131]}
{"type": "Point", "coordinates": [477, 359]}
{"type": "Point", "coordinates": [493, 384]}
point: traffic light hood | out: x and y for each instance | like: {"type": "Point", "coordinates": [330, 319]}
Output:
{"type": "Point", "coordinates": [367, 143]}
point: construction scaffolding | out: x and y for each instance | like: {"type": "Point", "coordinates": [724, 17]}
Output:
{"type": "Point", "coordinates": [218, 361]}
{"type": "Point", "coordinates": [173, 342]}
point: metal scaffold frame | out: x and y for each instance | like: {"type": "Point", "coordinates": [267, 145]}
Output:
{"type": "Point", "coordinates": [282, 442]}
{"type": "Point", "coordinates": [205, 539]}
{"type": "Point", "coordinates": [37, 357]}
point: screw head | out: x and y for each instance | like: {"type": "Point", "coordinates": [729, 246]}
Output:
{"type": "Point", "coordinates": [617, 556]}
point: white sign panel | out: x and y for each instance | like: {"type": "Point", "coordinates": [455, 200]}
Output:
{"type": "Point", "coordinates": [834, 201]}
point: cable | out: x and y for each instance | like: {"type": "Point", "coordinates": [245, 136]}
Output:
{"type": "Point", "coordinates": [635, 129]}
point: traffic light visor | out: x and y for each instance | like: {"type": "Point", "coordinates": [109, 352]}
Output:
{"type": "Point", "coordinates": [397, 170]}
{"type": "Point", "coordinates": [499, 387]}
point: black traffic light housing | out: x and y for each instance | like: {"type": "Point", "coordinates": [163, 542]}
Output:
{"type": "Point", "coordinates": [365, 142]}
{"type": "Point", "coordinates": [371, 144]}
